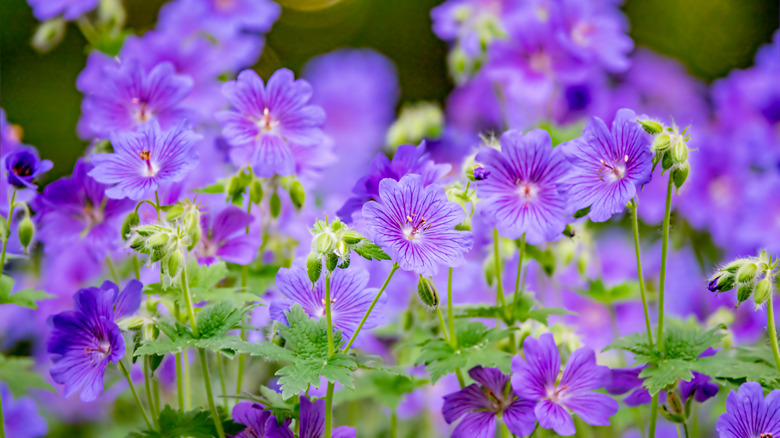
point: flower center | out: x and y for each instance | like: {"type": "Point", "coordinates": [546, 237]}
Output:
{"type": "Point", "coordinates": [103, 349]}
{"type": "Point", "coordinates": [614, 172]}
{"type": "Point", "coordinates": [224, 5]}
{"type": "Point", "coordinates": [540, 62]}
{"type": "Point", "coordinates": [414, 226]}
{"type": "Point", "coordinates": [555, 393]}
{"type": "Point", "coordinates": [766, 435]}
{"type": "Point", "coordinates": [581, 34]}
{"type": "Point", "coordinates": [146, 156]}
{"type": "Point", "coordinates": [22, 170]}
{"type": "Point", "coordinates": [266, 122]}
{"type": "Point", "coordinates": [526, 190]}
{"type": "Point", "coordinates": [142, 114]}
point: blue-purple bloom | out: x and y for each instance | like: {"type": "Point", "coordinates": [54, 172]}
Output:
{"type": "Point", "coordinates": [701, 387]}
{"type": "Point", "coordinates": [69, 9]}
{"type": "Point", "coordinates": [312, 421]}
{"type": "Point", "coordinates": [224, 237]}
{"type": "Point", "coordinates": [144, 160]}
{"type": "Point", "coordinates": [127, 97]}
{"type": "Point", "coordinates": [83, 341]}
{"type": "Point", "coordinates": [480, 403]}
{"type": "Point", "coordinates": [415, 225]}
{"type": "Point", "coordinates": [21, 417]}
{"type": "Point", "coordinates": [259, 422]}
{"type": "Point", "coordinates": [349, 292]}
{"type": "Point", "coordinates": [624, 380]}
{"type": "Point", "coordinates": [608, 168]}
{"type": "Point", "coordinates": [267, 119]}
{"type": "Point", "coordinates": [408, 159]}
{"type": "Point", "coordinates": [22, 166]}
{"type": "Point", "coordinates": [536, 378]}
{"type": "Point", "coordinates": [749, 414]}
{"type": "Point", "coordinates": [524, 194]}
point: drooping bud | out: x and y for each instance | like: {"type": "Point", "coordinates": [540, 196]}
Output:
{"type": "Point", "coordinates": [680, 174]}
{"type": "Point", "coordinates": [661, 143]}
{"type": "Point", "coordinates": [744, 292]}
{"type": "Point", "coordinates": [193, 229]}
{"type": "Point", "coordinates": [256, 192]}
{"type": "Point", "coordinates": [157, 241]}
{"type": "Point", "coordinates": [651, 126]}
{"type": "Point", "coordinates": [476, 172]}
{"type": "Point", "coordinates": [175, 262]}
{"type": "Point", "coordinates": [275, 205]}
{"type": "Point", "coordinates": [734, 266]}
{"type": "Point", "coordinates": [26, 231]}
{"type": "Point", "coordinates": [314, 267]}
{"type": "Point", "coordinates": [174, 212]}
{"type": "Point", "coordinates": [351, 238]}
{"type": "Point", "coordinates": [427, 293]}
{"type": "Point", "coordinates": [331, 261]}
{"type": "Point", "coordinates": [763, 291]}
{"type": "Point", "coordinates": [667, 162]}
{"type": "Point", "coordinates": [722, 283]}
{"type": "Point", "coordinates": [128, 223]}
{"type": "Point", "coordinates": [323, 243]}
{"type": "Point", "coordinates": [747, 272]}
{"type": "Point", "coordinates": [235, 188]}
{"type": "Point", "coordinates": [490, 272]}
{"type": "Point", "coordinates": [297, 194]}
{"type": "Point", "coordinates": [49, 34]}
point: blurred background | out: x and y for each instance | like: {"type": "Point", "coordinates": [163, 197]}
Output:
{"type": "Point", "coordinates": [710, 37]}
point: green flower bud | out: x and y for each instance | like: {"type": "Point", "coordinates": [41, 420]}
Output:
{"type": "Point", "coordinates": [256, 192]}
{"type": "Point", "coordinates": [427, 293]}
{"type": "Point", "coordinates": [679, 175]}
{"type": "Point", "coordinates": [128, 223]}
{"type": "Point", "coordinates": [336, 225]}
{"type": "Point", "coordinates": [408, 320]}
{"type": "Point", "coordinates": [26, 231]}
{"type": "Point", "coordinates": [661, 143]}
{"type": "Point", "coordinates": [323, 243]}
{"type": "Point", "coordinates": [651, 126]}
{"type": "Point", "coordinates": [680, 152]}
{"type": "Point", "coordinates": [235, 188]}
{"type": "Point", "coordinates": [667, 162]}
{"type": "Point", "coordinates": [747, 272]}
{"type": "Point", "coordinates": [157, 241]}
{"type": "Point", "coordinates": [351, 238]}
{"type": "Point", "coordinates": [314, 267]}
{"type": "Point", "coordinates": [49, 34]}
{"type": "Point", "coordinates": [477, 172]}
{"type": "Point", "coordinates": [275, 205]}
{"type": "Point", "coordinates": [490, 272]}
{"type": "Point", "coordinates": [174, 212]}
{"type": "Point", "coordinates": [175, 262]}
{"type": "Point", "coordinates": [763, 291]}
{"type": "Point", "coordinates": [297, 194]}
{"type": "Point", "coordinates": [744, 292]}
{"type": "Point", "coordinates": [137, 243]}
{"type": "Point", "coordinates": [331, 261]}
{"type": "Point", "coordinates": [734, 266]}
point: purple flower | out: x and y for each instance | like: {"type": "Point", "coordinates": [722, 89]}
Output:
{"type": "Point", "coordinates": [69, 9]}
{"type": "Point", "coordinates": [701, 387]}
{"type": "Point", "coordinates": [349, 292]}
{"type": "Point", "coordinates": [144, 160]}
{"type": "Point", "coordinates": [523, 194]}
{"type": "Point", "coordinates": [225, 238]}
{"type": "Point", "coordinates": [259, 422]}
{"type": "Point", "coordinates": [267, 119]}
{"type": "Point", "coordinates": [22, 166]}
{"type": "Point", "coordinates": [75, 208]}
{"type": "Point", "coordinates": [312, 421]}
{"type": "Point", "coordinates": [480, 403]}
{"type": "Point", "coordinates": [85, 340]}
{"type": "Point", "coordinates": [10, 135]}
{"type": "Point", "coordinates": [536, 378]}
{"type": "Point", "coordinates": [21, 417]}
{"type": "Point", "coordinates": [608, 167]}
{"type": "Point", "coordinates": [220, 17]}
{"type": "Point", "coordinates": [408, 159]}
{"type": "Point", "coordinates": [750, 415]}
{"type": "Point", "coordinates": [624, 380]}
{"type": "Point", "coordinates": [128, 97]}
{"type": "Point", "coordinates": [415, 225]}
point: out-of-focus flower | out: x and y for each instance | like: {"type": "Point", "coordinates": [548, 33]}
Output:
{"type": "Point", "coordinates": [524, 194]}
{"type": "Point", "coordinates": [623, 380]}
{"type": "Point", "coordinates": [749, 414]}
{"type": "Point", "coordinates": [69, 9]}
{"type": "Point", "coordinates": [267, 119]}
{"type": "Point", "coordinates": [415, 224]}
{"type": "Point", "coordinates": [312, 421]}
{"type": "Point", "coordinates": [10, 135]}
{"type": "Point", "coordinates": [608, 167]}
{"type": "Point", "coordinates": [219, 18]}
{"type": "Point", "coordinates": [144, 160]}
{"type": "Point", "coordinates": [349, 292]}
{"type": "Point", "coordinates": [259, 422]}
{"type": "Point", "coordinates": [21, 417]}
{"type": "Point", "coordinates": [85, 340]}
{"type": "Point", "coordinates": [224, 237]}
{"type": "Point", "coordinates": [536, 378]}
{"type": "Point", "coordinates": [480, 403]}
{"type": "Point", "coordinates": [128, 97]}
{"type": "Point", "coordinates": [22, 166]}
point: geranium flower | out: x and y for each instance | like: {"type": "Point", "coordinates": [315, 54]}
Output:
{"type": "Point", "coordinates": [749, 414]}
{"type": "Point", "coordinates": [224, 237]}
{"type": "Point", "coordinates": [22, 166]}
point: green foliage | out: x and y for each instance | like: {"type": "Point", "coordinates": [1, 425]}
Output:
{"type": "Point", "coordinates": [476, 346]}
{"type": "Point", "coordinates": [16, 372]}
{"type": "Point", "coordinates": [370, 251]}
{"type": "Point", "coordinates": [24, 298]}
{"type": "Point", "coordinates": [387, 388]}
{"type": "Point", "coordinates": [526, 308]}
{"type": "Point", "coordinates": [596, 290]}
{"type": "Point", "coordinates": [205, 285]}
{"type": "Point", "coordinates": [306, 348]}
{"type": "Point", "coordinates": [196, 424]}
{"type": "Point", "coordinates": [546, 258]}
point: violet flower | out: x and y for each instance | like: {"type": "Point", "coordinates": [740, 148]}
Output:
{"type": "Point", "coordinates": [21, 417]}
{"type": "Point", "coordinates": [415, 225]}
{"type": "Point", "coordinates": [312, 421]}
{"type": "Point", "coordinates": [480, 403]}
{"type": "Point", "coordinates": [624, 380]}
{"type": "Point", "coordinates": [536, 378]}
{"type": "Point", "coordinates": [608, 168]}
{"type": "Point", "coordinates": [749, 414]}
{"type": "Point", "coordinates": [524, 193]}
{"type": "Point", "coordinates": [22, 166]}
{"type": "Point", "coordinates": [144, 160]}
{"type": "Point", "coordinates": [259, 422]}
{"type": "Point", "coordinates": [224, 237]}
{"type": "Point", "coordinates": [85, 340]}
{"type": "Point", "coordinates": [268, 118]}
{"type": "Point", "coordinates": [69, 9]}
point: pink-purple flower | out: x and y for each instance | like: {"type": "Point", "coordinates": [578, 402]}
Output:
{"type": "Point", "coordinates": [749, 414]}
{"type": "Point", "coordinates": [415, 224]}
{"type": "Point", "coordinates": [225, 237]}
{"type": "Point", "coordinates": [260, 423]}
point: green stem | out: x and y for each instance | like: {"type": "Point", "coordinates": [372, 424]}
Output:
{"type": "Point", "coordinates": [328, 409]}
{"type": "Point", "coordinates": [242, 356]}
{"type": "Point", "coordinates": [188, 300]}
{"type": "Point", "coordinates": [124, 372]}
{"type": "Point", "coordinates": [685, 429]}
{"type": "Point", "coordinates": [88, 30]}
{"type": "Point", "coordinates": [8, 237]}
{"type": "Point", "coordinates": [149, 396]}
{"type": "Point", "coordinates": [2, 419]}
{"type": "Point", "coordinates": [450, 317]}
{"type": "Point", "coordinates": [653, 415]}
{"type": "Point", "coordinates": [157, 204]}
{"type": "Point", "coordinates": [179, 385]}
{"type": "Point", "coordinates": [371, 307]}
{"type": "Point", "coordinates": [222, 382]}
{"type": "Point", "coordinates": [443, 326]}
{"type": "Point", "coordinates": [664, 249]}
{"type": "Point", "coordinates": [331, 352]}
{"type": "Point", "coordinates": [770, 320]}
{"type": "Point", "coordinates": [394, 425]}
{"type": "Point", "coordinates": [187, 381]}
{"type": "Point", "coordinates": [137, 268]}
{"type": "Point", "coordinates": [112, 270]}
{"type": "Point", "coordinates": [640, 275]}
{"type": "Point", "coordinates": [209, 396]}
{"type": "Point", "coordinates": [500, 301]}
{"type": "Point", "coordinates": [518, 289]}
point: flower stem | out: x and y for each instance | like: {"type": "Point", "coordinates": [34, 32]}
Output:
{"type": "Point", "coordinates": [112, 269]}
{"type": "Point", "coordinates": [8, 237]}
{"type": "Point", "coordinates": [149, 396]}
{"type": "Point", "coordinates": [640, 275]}
{"type": "Point", "coordinates": [653, 415]}
{"type": "Point", "coordinates": [157, 204]}
{"type": "Point", "coordinates": [664, 250]}
{"type": "Point", "coordinates": [188, 300]}
{"type": "Point", "coordinates": [770, 320]}
{"type": "Point", "coordinates": [371, 307]}
{"type": "Point", "coordinates": [450, 317]}
{"type": "Point", "coordinates": [179, 386]}
{"type": "Point", "coordinates": [187, 381]}
{"type": "Point", "coordinates": [443, 326]}
{"type": "Point", "coordinates": [209, 396]}
{"type": "Point", "coordinates": [500, 301]}
{"type": "Point", "coordinates": [2, 419]}
{"type": "Point", "coordinates": [222, 382]}
{"type": "Point", "coordinates": [518, 289]}
{"type": "Point", "coordinates": [394, 425]}
{"type": "Point", "coordinates": [331, 351]}
{"type": "Point", "coordinates": [328, 409]}
{"type": "Point", "coordinates": [124, 372]}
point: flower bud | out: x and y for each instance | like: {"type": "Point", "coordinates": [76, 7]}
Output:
{"type": "Point", "coordinates": [680, 174]}
{"type": "Point", "coordinates": [477, 173]}
{"type": "Point", "coordinates": [323, 243]}
{"type": "Point", "coordinates": [734, 266]}
{"type": "Point", "coordinates": [194, 230]}
{"type": "Point", "coordinates": [174, 212]}
{"type": "Point", "coordinates": [661, 143]}
{"type": "Point", "coordinates": [157, 241]}
{"type": "Point", "coordinates": [408, 320]}
{"type": "Point", "coordinates": [680, 152]}
{"type": "Point", "coordinates": [314, 267]}
{"type": "Point", "coordinates": [235, 188]}
{"type": "Point", "coordinates": [275, 205]}
{"type": "Point", "coordinates": [427, 293]}
{"type": "Point", "coordinates": [26, 231]}
{"type": "Point", "coordinates": [256, 192]}
{"type": "Point", "coordinates": [667, 162]}
{"type": "Point", "coordinates": [128, 223]}
{"type": "Point", "coordinates": [490, 272]}
{"type": "Point", "coordinates": [722, 283]}
{"type": "Point", "coordinates": [175, 262]}
{"type": "Point", "coordinates": [747, 272]}
{"type": "Point", "coordinates": [297, 194]}
{"type": "Point", "coordinates": [651, 126]}
{"type": "Point", "coordinates": [763, 291]}
{"type": "Point", "coordinates": [351, 238]}
{"type": "Point", "coordinates": [744, 292]}
{"type": "Point", "coordinates": [331, 261]}
{"type": "Point", "coordinates": [137, 243]}
{"type": "Point", "coordinates": [49, 34]}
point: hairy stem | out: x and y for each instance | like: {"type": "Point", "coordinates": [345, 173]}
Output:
{"type": "Point", "coordinates": [209, 395]}
{"type": "Point", "coordinates": [770, 320]}
{"type": "Point", "coordinates": [371, 307]}
{"type": "Point", "coordinates": [640, 275]}
{"type": "Point", "coordinates": [500, 301]}
{"type": "Point", "coordinates": [331, 351]}
{"type": "Point", "coordinates": [653, 415]}
{"type": "Point", "coordinates": [124, 372]}
{"type": "Point", "coordinates": [149, 396]}
{"type": "Point", "coordinates": [664, 250]}
{"type": "Point", "coordinates": [12, 205]}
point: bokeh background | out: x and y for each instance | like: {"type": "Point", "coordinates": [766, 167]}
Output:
{"type": "Point", "coordinates": [38, 91]}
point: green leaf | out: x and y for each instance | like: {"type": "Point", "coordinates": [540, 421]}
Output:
{"type": "Point", "coordinates": [523, 311]}
{"type": "Point", "coordinates": [196, 424]}
{"type": "Point", "coordinates": [23, 298]}
{"type": "Point", "coordinates": [598, 291]}
{"type": "Point", "coordinates": [369, 250]}
{"type": "Point", "coordinates": [16, 372]}
{"type": "Point", "coordinates": [546, 258]}
{"type": "Point", "coordinates": [682, 340]}
{"type": "Point", "coordinates": [666, 373]}
{"type": "Point", "coordinates": [212, 189]}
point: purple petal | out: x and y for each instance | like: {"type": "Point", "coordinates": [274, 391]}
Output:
{"type": "Point", "coordinates": [553, 416]}
{"type": "Point", "coordinates": [593, 408]}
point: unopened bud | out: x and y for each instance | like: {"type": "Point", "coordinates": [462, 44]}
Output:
{"type": "Point", "coordinates": [194, 230]}
{"type": "Point", "coordinates": [174, 212]}
{"type": "Point", "coordinates": [323, 243]}
{"type": "Point", "coordinates": [175, 262]}
{"type": "Point", "coordinates": [256, 192]}
{"type": "Point", "coordinates": [235, 188]}
{"type": "Point", "coordinates": [275, 205]}
{"type": "Point", "coordinates": [763, 291]}
{"type": "Point", "coordinates": [667, 162]}
{"type": "Point", "coordinates": [477, 173]}
{"type": "Point", "coordinates": [157, 241]}
{"type": "Point", "coordinates": [747, 272]}
{"type": "Point", "coordinates": [722, 283]}
{"type": "Point", "coordinates": [651, 126]}
{"type": "Point", "coordinates": [680, 174]}
{"type": "Point", "coordinates": [314, 267]}
{"type": "Point", "coordinates": [297, 194]}
{"type": "Point", "coordinates": [427, 293]}
{"type": "Point", "coordinates": [680, 152]}
{"type": "Point", "coordinates": [744, 292]}
{"type": "Point", "coordinates": [661, 143]}
{"type": "Point", "coordinates": [734, 266]}
{"type": "Point", "coordinates": [26, 231]}
{"type": "Point", "coordinates": [331, 261]}
{"type": "Point", "coordinates": [4, 231]}
{"type": "Point", "coordinates": [352, 238]}
{"type": "Point", "coordinates": [128, 223]}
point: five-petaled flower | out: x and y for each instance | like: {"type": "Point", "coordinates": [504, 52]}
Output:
{"type": "Point", "coordinates": [749, 414]}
